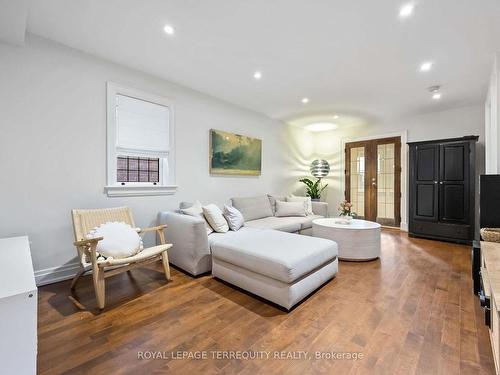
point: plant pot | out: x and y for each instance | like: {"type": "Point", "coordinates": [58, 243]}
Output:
{"type": "Point", "coordinates": [315, 199]}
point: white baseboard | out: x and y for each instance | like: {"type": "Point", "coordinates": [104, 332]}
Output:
{"type": "Point", "coordinates": [404, 226]}
{"type": "Point", "coordinates": [55, 274]}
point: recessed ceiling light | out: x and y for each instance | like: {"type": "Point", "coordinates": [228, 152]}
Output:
{"type": "Point", "coordinates": [305, 100]}
{"type": "Point", "coordinates": [321, 126]}
{"type": "Point", "coordinates": [168, 29]}
{"type": "Point", "coordinates": [406, 10]}
{"type": "Point", "coordinates": [435, 91]}
{"type": "Point", "coordinates": [335, 117]}
{"type": "Point", "coordinates": [426, 66]}
{"type": "Point", "coordinates": [257, 75]}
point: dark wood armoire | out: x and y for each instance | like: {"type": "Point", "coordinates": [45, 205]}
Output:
{"type": "Point", "coordinates": [441, 189]}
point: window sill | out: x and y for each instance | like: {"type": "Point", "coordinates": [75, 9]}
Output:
{"type": "Point", "coordinates": [139, 190]}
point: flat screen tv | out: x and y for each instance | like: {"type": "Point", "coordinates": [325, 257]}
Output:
{"type": "Point", "coordinates": [489, 198]}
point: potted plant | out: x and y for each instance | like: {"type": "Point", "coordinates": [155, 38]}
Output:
{"type": "Point", "coordinates": [313, 189]}
{"type": "Point", "coordinates": [345, 209]}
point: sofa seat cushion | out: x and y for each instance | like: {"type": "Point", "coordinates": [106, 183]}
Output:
{"type": "Point", "coordinates": [284, 224]}
{"type": "Point", "coordinates": [214, 237]}
{"type": "Point", "coordinates": [282, 256]}
{"type": "Point", "coordinates": [306, 222]}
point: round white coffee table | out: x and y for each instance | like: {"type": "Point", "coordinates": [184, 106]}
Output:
{"type": "Point", "coordinates": [357, 241]}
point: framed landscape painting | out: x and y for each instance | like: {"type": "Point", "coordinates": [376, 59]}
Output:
{"type": "Point", "coordinates": [234, 154]}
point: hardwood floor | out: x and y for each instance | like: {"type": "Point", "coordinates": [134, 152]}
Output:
{"type": "Point", "coordinates": [411, 312]}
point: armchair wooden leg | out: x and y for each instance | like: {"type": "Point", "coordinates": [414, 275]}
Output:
{"type": "Point", "coordinates": [166, 266]}
{"type": "Point", "coordinates": [77, 276]}
{"type": "Point", "coordinates": [99, 287]}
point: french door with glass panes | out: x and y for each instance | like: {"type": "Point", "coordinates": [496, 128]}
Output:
{"type": "Point", "coordinates": [373, 179]}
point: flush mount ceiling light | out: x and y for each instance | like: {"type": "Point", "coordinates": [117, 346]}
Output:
{"type": "Point", "coordinates": [426, 66]}
{"type": "Point", "coordinates": [406, 10]}
{"type": "Point", "coordinates": [321, 126]}
{"type": "Point", "coordinates": [305, 100]}
{"type": "Point", "coordinates": [435, 91]}
{"type": "Point", "coordinates": [168, 29]}
{"type": "Point", "coordinates": [257, 75]}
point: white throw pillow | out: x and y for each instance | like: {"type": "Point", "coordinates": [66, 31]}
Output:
{"type": "Point", "coordinates": [196, 210]}
{"type": "Point", "coordinates": [214, 216]}
{"type": "Point", "coordinates": [120, 240]}
{"type": "Point", "coordinates": [290, 208]}
{"type": "Point", "coordinates": [234, 217]}
{"type": "Point", "coordinates": [294, 198]}
{"type": "Point", "coordinates": [273, 199]}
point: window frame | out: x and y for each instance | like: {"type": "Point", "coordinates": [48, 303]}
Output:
{"type": "Point", "coordinates": [166, 184]}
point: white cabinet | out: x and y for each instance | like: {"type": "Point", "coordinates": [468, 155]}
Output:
{"type": "Point", "coordinates": [18, 308]}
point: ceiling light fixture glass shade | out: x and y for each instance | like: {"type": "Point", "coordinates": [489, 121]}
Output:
{"type": "Point", "coordinates": [435, 91]}
{"type": "Point", "coordinates": [406, 10]}
{"type": "Point", "coordinates": [321, 126]}
{"type": "Point", "coordinates": [320, 168]}
{"type": "Point", "coordinates": [168, 30]}
{"type": "Point", "coordinates": [426, 66]}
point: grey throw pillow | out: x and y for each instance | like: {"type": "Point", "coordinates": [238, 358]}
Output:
{"type": "Point", "coordinates": [273, 199]}
{"type": "Point", "coordinates": [196, 210]}
{"type": "Point", "coordinates": [290, 209]}
{"type": "Point", "coordinates": [253, 208]}
{"type": "Point", "coordinates": [234, 218]}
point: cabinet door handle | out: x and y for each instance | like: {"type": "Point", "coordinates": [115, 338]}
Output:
{"type": "Point", "coordinates": [435, 182]}
{"type": "Point", "coordinates": [440, 182]}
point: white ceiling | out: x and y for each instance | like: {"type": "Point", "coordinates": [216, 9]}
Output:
{"type": "Point", "coordinates": [352, 57]}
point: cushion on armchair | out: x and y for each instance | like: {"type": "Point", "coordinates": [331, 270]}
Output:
{"type": "Point", "coordinates": [120, 240]}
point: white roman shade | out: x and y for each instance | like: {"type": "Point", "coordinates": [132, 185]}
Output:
{"type": "Point", "coordinates": [142, 127]}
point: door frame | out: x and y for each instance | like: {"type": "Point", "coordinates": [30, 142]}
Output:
{"type": "Point", "coordinates": [404, 168]}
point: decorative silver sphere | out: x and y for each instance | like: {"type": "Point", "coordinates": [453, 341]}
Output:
{"type": "Point", "coordinates": [320, 168]}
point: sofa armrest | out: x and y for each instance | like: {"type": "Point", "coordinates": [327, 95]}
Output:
{"type": "Point", "coordinates": [320, 208]}
{"type": "Point", "coordinates": [188, 235]}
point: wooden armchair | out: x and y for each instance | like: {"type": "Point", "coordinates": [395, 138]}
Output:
{"type": "Point", "coordinates": [86, 220]}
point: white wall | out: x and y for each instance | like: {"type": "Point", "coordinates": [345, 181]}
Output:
{"type": "Point", "coordinates": [492, 120]}
{"type": "Point", "coordinates": [328, 145]}
{"type": "Point", "coordinates": [53, 146]}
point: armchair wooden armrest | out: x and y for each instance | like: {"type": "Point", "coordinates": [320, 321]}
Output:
{"type": "Point", "coordinates": [152, 229]}
{"type": "Point", "coordinates": [88, 242]}
{"type": "Point", "coordinates": [159, 231]}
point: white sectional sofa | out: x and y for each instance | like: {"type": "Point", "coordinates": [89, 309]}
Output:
{"type": "Point", "coordinates": [191, 244]}
{"type": "Point", "coordinates": [281, 267]}
{"type": "Point", "coordinates": [272, 257]}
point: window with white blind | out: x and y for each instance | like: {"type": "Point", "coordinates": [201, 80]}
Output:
{"type": "Point", "coordinates": [140, 133]}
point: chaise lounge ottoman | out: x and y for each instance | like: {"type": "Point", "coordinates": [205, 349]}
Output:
{"type": "Point", "coordinates": [283, 268]}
